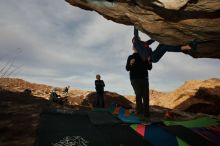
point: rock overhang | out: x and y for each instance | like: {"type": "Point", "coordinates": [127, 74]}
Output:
{"type": "Point", "coordinates": [167, 21]}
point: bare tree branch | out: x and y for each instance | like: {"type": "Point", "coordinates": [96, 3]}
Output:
{"type": "Point", "coordinates": [7, 69]}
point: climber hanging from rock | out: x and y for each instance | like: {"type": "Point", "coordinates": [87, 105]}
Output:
{"type": "Point", "coordinates": [146, 52]}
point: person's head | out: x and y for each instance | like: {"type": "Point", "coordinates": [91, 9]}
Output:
{"type": "Point", "coordinates": [98, 77]}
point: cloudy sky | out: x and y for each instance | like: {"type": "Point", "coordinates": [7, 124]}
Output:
{"type": "Point", "coordinates": [51, 42]}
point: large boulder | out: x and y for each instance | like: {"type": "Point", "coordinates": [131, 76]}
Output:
{"type": "Point", "coordinates": [109, 99]}
{"type": "Point", "coordinates": [167, 21]}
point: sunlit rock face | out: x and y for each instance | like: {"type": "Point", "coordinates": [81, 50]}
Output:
{"type": "Point", "coordinates": [167, 21]}
{"type": "Point", "coordinates": [197, 96]}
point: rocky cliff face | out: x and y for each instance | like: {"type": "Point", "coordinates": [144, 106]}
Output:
{"type": "Point", "coordinates": [202, 96]}
{"type": "Point", "coordinates": [167, 21]}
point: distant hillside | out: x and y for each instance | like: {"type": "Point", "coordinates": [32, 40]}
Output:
{"type": "Point", "coordinates": [193, 96]}
{"type": "Point", "coordinates": [75, 96]}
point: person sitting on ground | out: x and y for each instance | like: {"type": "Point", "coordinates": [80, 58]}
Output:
{"type": "Point", "coordinates": [99, 86]}
{"type": "Point", "coordinates": [27, 91]}
{"type": "Point", "coordinates": [146, 52]}
{"type": "Point", "coordinates": [54, 96]}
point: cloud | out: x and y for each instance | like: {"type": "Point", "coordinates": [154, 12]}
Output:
{"type": "Point", "coordinates": [64, 45]}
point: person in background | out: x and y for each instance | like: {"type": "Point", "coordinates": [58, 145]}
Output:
{"type": "Point", "coordinates": [27, 91]}
{"type": "Point", "coordinates": [99, 86]}
{"type": "Point", "coordinates": [54, 96]}
{"type": "Point", "coordinates": [66, 90]}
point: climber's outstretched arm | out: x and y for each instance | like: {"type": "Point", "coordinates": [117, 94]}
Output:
{"type": "Point", "coordinates": [136, 35]}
